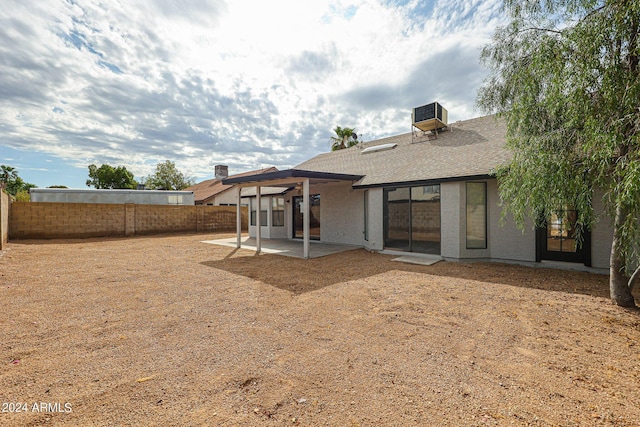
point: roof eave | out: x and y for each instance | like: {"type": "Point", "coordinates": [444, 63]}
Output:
{"type": "Point", "coordinates": [425, 181]}
{"type": "Point", "coordinates": [290, 174]}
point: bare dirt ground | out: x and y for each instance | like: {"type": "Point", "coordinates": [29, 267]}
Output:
{"type": "Point", "coordinates": [169, 331]}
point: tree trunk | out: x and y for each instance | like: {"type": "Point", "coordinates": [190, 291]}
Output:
{"type": "Point", "coordinates": [619, 289]}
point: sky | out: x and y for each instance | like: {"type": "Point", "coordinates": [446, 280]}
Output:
{"type": "Point", "coordinates": [244, 83]}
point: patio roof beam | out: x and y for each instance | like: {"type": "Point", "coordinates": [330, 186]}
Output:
{"type": "Point", "coordinates": [286, 182]}
{"type": "Point", "coordinates": [291, 175]}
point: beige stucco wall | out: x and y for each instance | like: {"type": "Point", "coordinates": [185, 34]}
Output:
{"type": "Point", "coordinates": [227, 197]}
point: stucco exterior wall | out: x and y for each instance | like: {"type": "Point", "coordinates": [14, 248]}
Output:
{"type": "Point", "coordinates": [227, 197]}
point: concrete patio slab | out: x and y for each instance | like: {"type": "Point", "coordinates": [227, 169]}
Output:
{"type": "Point", "coordinates": [420, 260]}
{"type": "Point", "coordinates": [286, 247]}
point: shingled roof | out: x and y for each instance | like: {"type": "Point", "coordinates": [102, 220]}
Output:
{"type": "Point", "coordinates": [470, 148]}
{"type": "Point", "coordinates": [208, 189]}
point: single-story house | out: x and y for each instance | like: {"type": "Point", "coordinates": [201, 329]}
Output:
{"type": "Point", "coordinates": [213, 192]}
{"type": "Point", "coordinates": [428, 191]}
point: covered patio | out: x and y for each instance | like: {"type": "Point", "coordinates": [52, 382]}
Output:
{"type": "Point", "coordinates": [286, 247]}
{"type": "Point", "coordinates": [296, 178]}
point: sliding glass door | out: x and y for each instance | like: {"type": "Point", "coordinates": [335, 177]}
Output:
{"type": "Point", "coordinates": [412, 219]}
{"type": "Point", "coordinates": [314, 217]}
{"type": "Point", "coordinates": [398, 219]}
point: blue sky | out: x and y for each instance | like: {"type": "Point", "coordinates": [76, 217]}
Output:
{"type": "Point", "coordinates": [244, 83]}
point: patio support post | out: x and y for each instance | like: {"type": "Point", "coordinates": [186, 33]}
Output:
{"type": "Point", "coordinates": [258, 225]}
{"type": "Point", "coordinates": [305, 217]}
{"type": "Point", "coordinates": [238, 218]}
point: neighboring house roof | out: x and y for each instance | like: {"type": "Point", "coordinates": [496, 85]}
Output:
{"type": "Point", "coordinates": [470, 148]}
{"type": "Point", "coordinates": [210, 188]}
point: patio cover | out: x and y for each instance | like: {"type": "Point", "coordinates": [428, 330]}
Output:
{"type": "Point", "coordinates": [284, 178]}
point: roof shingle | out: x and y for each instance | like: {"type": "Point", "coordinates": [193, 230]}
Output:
{"type": "Point", "coordinates": [469, 148]}
{"type": "Point", "coordinates": [212, 187]}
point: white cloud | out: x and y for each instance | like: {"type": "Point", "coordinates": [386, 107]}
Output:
{"type": "Point", "coordinates": [243, 82]}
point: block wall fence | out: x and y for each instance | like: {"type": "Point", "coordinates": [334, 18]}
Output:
{"type": "Point", "coordinates": [5, 204]}
{"type": "Point", "coordinates": [44, 220]}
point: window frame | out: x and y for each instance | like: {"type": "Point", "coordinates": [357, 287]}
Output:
{"type": "Point", "coordinates": [483, 185]}
{"type": "Point", "coordinates": [252, 215]}
{"type": "Point", "coordinates": [277, 208]}
{"type": "Point", "coordinates": [366, 215]}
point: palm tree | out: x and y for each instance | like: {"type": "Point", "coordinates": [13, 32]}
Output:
{"type": "Point", "coordinates": [345, 137]}
{"type": "Point", "coordinates": [7, 174]}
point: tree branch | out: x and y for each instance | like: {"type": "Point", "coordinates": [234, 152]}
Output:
{"type": "Point", "coordinates": [634, 278]}
{"type": "Point", "coordinates": [549, 30]}
{"type": "Point", "coordinates": [546, 30]}
{"type": "Point", "coordinates": [593, 12]}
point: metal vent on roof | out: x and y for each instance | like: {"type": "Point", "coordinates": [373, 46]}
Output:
{"type": "Point", "coordinates": [377, 148]}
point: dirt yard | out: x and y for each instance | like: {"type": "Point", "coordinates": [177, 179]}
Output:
{"type": "Point", "coordinates": [169, 331]}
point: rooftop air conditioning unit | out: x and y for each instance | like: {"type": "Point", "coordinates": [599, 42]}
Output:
{"type": "Point", "coordinates": [429, 117]}
{"type": "Point", "coordinates": [221, 171]}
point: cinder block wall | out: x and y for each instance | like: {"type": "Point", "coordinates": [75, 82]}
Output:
{"type": "Point", "coordinates": [4, 218]}
{"type": "Point", "coordinates": [41, 220]}
{"type": "Point", "coordinates": [151, 219]}
{"type": "Point", "coordinates": [222, 218]}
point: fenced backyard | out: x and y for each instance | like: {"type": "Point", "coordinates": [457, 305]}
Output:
{"type": "Point", "coordinates": [42, 220]}
{"type": "Point", "coordinates": [166, 330]}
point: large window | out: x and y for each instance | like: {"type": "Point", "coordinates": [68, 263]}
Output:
{"type": "Point", "coordinates": [263, 213]}
{"type": "Point", "coordinates": [366, 215]}
{"type": "Point", "coordinates": [277, 211]}
{"type": "Point", "coordinates": [476, 215]}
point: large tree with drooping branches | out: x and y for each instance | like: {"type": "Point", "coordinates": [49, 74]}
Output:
{"type": "Point", "coordinates": [565, 75]}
